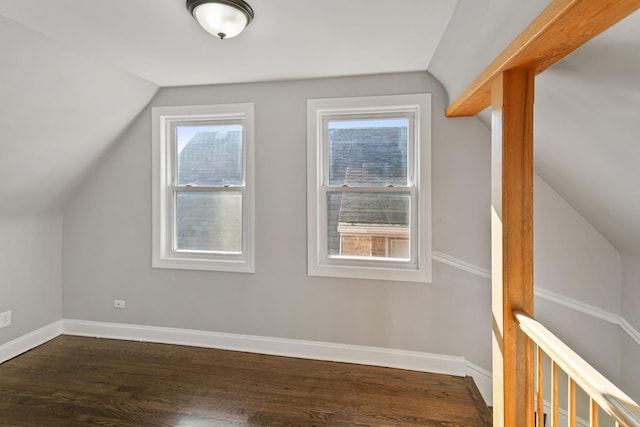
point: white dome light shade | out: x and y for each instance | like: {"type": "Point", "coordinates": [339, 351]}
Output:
{"type": "Point", "coordinates": [221, 18]}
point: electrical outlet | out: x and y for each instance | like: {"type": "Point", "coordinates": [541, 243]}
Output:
{"type": "Point", "coordinates": [118, 303]}
{"type": "Point", "coordinates": [5, 318]}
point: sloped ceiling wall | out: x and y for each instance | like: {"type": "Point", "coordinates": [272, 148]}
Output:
{"type": "Point", "coordinates": [586, 113]}
{"type": "Point", "coordinates": [58, 113]}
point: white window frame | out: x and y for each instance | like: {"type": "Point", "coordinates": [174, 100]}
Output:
{"type": "Point", "coordinates": [416, 107]}
{"type": "Point", "coordinates": [164, 254]}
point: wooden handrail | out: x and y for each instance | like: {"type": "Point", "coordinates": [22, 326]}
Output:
{"type": "Point", "coordinates": [609, 397]}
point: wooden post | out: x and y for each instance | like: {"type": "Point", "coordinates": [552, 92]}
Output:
{"type": "Point", "coordinates": [512, 94]}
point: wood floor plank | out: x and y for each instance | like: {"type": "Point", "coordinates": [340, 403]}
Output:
{"type": "Point", "coordinates": [76, 381]}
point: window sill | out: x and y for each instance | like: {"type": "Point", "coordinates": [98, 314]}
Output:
{"type": "Point", "coordinates": [240, 266]}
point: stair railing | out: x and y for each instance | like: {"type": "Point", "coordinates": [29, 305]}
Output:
{"type": "Point", "coordinates": [602, 393]}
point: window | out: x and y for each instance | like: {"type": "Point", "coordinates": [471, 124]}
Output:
{"type": "Point", "coordinates": [368, 190]}
{"type": "Point", "coordinates": [203, 215]}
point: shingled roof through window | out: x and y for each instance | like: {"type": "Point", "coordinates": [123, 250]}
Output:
{"type": "Point", "coordinates": [368, 156]}
{"type": "Point", "coordinates": [211, 158]}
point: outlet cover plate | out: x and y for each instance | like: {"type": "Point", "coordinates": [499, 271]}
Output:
{"type": "Point", "coordinates": [5, 319]}
{"type": "Point", "coordinates": [118, 303]}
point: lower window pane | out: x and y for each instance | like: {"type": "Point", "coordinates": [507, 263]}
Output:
{"type": "Point", "coordinates": [209, 222]}
{"type": "Point", "coordinates": [370, 225]}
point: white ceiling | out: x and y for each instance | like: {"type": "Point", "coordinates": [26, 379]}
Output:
{"type": "Point", "coordinates": [75, 73]}
{"type": "Point", "coordinates": [159, 41]}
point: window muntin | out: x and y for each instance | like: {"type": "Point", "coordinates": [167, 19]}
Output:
{"type": "Point", "coordinates": [203, 196]}
{"type": "Point", "coordinates": [368, 198]}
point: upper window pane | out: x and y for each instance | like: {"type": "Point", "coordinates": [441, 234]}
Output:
{"type": "Point", "coordinates": [368, 153]}
{"type": "Point", "coordinates": [209, 155]}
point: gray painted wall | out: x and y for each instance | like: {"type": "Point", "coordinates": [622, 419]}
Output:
{"type": "Point", "coordinates": [571, 256]}
{"type": "Point", "coordinates": [629, 370]}
{"type": "Point", "coordinates": [631, 289]}
{"type": "Point", "coordinates": [30, 276]}
{"type": "Point", "coordinates": [630, 357]}
{"type": "Point", "coordinates": [107, 236]}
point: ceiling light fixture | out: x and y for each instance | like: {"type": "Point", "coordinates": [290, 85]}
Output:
{"type": "Point", "coordinates": [222, 18]}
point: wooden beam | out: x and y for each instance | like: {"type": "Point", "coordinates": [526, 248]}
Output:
{"type": "Point", "coordinates": [561, 28]}
{"type": "Point", "coordinates": [512, 245]}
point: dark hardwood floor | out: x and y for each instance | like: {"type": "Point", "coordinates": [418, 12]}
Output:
{"type": "Point", "coordinates": [74, 381]}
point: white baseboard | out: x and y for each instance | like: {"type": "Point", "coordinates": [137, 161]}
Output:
{"type": "Point", "coordinates": [29, 341]}
{"type": "Point", "coordinates": [365, 355]}
{"type": "Point", "coordinates": [483, 379]}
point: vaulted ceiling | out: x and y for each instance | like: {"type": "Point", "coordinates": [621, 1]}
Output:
{"type": "Point", "coordinates": [75, 73]}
